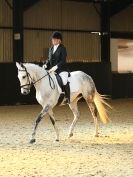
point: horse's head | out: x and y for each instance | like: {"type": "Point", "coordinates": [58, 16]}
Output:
{"type": "Point", "coordinates": [24, 78]}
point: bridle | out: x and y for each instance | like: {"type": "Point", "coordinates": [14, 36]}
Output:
{"type": "Point", "coordinates": [31, 83]}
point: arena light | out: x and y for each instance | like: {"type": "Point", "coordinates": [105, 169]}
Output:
{"type": "Point", "coordinates": [96, 32]}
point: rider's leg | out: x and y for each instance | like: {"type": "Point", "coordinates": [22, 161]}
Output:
{"type": "Point", "coordinates": [64, 76]}
{"type": "Point", "coordinates": [67, 91]}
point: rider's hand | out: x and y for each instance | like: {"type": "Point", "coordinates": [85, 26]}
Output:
{"type": "Point", "coordinates": [54, 68]}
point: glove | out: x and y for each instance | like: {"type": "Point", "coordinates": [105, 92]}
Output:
{"type": "Point", "coordinates": [53, 69]}
{"type": "Point", "coordinates": [44, 66]}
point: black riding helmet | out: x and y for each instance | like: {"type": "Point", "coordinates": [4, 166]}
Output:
{"type": "Point", "coordinates": [56, 35]}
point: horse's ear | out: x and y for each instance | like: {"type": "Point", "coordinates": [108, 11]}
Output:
{"type": "Point", "coordinates": [21, 64]}
{"type": "Point", "coordinates": [18, 65]}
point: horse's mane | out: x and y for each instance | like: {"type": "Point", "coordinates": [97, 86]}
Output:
{"type": "Point", "coordinates": [32, 64]}
{"type": "Point", "coordinates": [35, 67]}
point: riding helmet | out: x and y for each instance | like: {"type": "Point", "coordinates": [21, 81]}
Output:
{"type": "Point", "coordinates": [56, 35]}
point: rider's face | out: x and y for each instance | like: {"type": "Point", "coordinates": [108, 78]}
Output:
{"type": "Point", "coordinates": [56, 41]}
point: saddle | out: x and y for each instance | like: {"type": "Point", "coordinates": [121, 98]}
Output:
{"type": "Point", "coordinates": [62, 95]}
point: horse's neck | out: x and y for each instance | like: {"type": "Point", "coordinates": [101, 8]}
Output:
{"type": "Point", "coordinates": [36, 72]}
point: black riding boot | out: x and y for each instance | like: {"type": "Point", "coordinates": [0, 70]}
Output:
{"type": "Point", "coordinates": [67, 92]}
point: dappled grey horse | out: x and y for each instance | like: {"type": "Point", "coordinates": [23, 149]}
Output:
{"type": "Point", "coordinates": [48, 93]}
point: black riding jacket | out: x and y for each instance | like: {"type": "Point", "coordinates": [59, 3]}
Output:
{"type": "Point", "coordinates": [57, 58]}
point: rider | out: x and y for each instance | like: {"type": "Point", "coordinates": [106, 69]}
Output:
{"type": "Point", "coordinates": [57, 61]}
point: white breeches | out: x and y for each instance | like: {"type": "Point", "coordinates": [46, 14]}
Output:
{"type": "Point", "coordinates": [64, 76]}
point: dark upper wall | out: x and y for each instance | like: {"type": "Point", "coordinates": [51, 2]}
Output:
{"type": "Point", "coordinates": [6, 35]}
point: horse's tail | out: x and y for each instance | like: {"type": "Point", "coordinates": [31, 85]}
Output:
{"type": "Point", "coordinates": [100, 103]}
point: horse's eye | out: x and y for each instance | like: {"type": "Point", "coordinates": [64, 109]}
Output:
{"type": "Point", "coordinates": [24, 77]}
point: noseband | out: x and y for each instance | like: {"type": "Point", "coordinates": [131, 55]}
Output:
{"type": "Point", "coordinates": [33, 83]}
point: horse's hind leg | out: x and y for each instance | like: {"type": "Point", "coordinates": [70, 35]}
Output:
{"type": "Point", "coordinates": [93, 110]}
{"type": "Point", "coordinates": [73, 106]}
{"type": "Point", "coordinates": [51, 115]}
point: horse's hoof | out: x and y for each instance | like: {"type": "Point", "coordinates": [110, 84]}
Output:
{"type": "Point", "coordinates": [32, 141]}
{"type": "Point", "coordinates": [70, 135]}
{"type": "Point", "coordinates": [97, 135]}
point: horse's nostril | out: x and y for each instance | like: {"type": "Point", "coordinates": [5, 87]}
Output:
{"type": "Point", "coordinates": [24, 93]}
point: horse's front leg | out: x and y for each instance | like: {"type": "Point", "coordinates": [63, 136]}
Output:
{"type": "Point", "coordinates": [51, 115]}
{"type": "Point", "coordinates": [39, 118]}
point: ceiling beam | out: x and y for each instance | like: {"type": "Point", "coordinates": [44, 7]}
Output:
{"type": "Point", "coordinates": [29, 3]}
{"type": "Point", "coordinates": [118, 5]}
